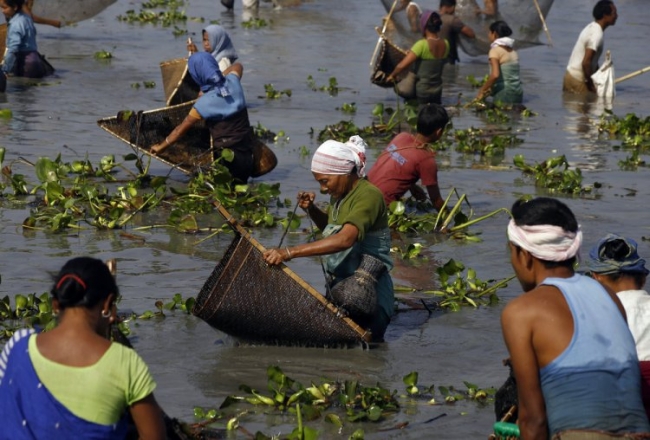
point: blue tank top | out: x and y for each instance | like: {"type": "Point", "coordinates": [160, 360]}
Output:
{"type": "Point", "coordinates": [595, 383]}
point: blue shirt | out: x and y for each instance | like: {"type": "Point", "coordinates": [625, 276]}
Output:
{"type": "Point", "coordinates": [21, 37]}
{"type": "Point", "coordinates": [596, 382]}
{"type": "Point", "coordinates": [214, 107]}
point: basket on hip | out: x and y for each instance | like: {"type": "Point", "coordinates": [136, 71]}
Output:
{"type": "Point", "coordinates": [357, 294]}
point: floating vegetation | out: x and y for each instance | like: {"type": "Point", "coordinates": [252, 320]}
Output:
{"type": "Point", "coordinates": [169, 17]}
{"type": "Point", "coordinates": [403, 220]}
{"type": "Point", "coordinates": [348, 108]}
{"type": "Point", "coordinates": [71, 195]}
{"type": "Point", "coordinates": [103, 55]}
{"type": "Point", "coordinates": [628, 126]}
{"type": "Point", "coordinates": [477, 83]}
{"type": "Point", "coordinates": [346, 402]}
{"type": "Point", "coordinates": [332, 86]}
{"type": "Point", "coordinates": [29, 311]}
{"type": "Point", "coordinates": [632, 162]}
{"type": "Point", "coordinates": [272, 93]}
{"type": "Point", "coordinates": [458, 290]}
{"type": "Point", "coordinates": [555, 175]}
{"type": "Point", "coordinates": [6, 113]}
{"type": "Point", "coordinates": [254, 23]}
{"type": "Point", "coordinates": [477, 141]}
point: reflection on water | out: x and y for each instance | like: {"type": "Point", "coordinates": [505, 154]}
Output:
{"type": "Point", "coordinates": [197, 365]}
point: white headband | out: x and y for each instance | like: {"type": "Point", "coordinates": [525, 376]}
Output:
{"type": "Point", "coordinates": [546, 242]}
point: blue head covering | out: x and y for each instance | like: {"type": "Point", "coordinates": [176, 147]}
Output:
{"type": "Point", "coordinates": [599, 263]}
{"type": "Point", "coordinates": [205, 71]}
{"type": "Point", "coordinates": [220, 43]}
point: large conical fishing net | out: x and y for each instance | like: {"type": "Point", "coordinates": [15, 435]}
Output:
{"type": "Point", "coordinates": [521, 15]}
{"type": "Point", "coordinates": [143, 129]}
{"type": "Point", "coordinates": [255, 303]}
{"type": "Point", "coordinates": [70, 11]}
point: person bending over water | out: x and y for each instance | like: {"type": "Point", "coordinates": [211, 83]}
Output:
{"type": "Point", "coordinates": [615, 263]}
{"type": "Point", "coordinates": [71, 382]}
{"type": "Point", "coordinates": [409, 158]}
{"type": "Point", "coordinates": [571, 351]}
{"type": "Point", "coordinates": [503, 84]}
{"type": "Point", "coordinates": [223, 106]}
{"type": "Point", "coordinates": [355, 223]}
{"type": "Point", "coordinates": [428, 56]}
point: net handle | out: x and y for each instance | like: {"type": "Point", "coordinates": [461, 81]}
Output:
{"type": "Point", "coordinates": [364, 334]}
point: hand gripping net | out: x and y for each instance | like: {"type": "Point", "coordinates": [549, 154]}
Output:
{"type": "Point", "coordinates": [255, 303]}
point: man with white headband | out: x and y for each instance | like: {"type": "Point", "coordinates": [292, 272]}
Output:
{"type": "Point", "coordinates": [572, 354]}
{"type": "Point", "coordinates": [355, 224]}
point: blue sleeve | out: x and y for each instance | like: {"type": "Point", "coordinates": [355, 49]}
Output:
{"type": "Point", "coordinates": [15, 33]}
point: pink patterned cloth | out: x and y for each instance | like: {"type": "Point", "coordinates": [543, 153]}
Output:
{"type": "Point", "coordinates": [546, 242]}
{"type": "Point", "coordinates": [334, 157]}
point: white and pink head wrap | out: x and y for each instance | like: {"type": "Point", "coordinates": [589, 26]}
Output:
{"type": "Point", "coordinates": [546, 242]}
{"type": "Point", "coordinates": [334, 157]}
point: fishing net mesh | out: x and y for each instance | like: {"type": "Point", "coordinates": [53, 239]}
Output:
{"type": "Point", "coordinates": [255, 303]}
{"type": "Point", "coordinates": [177, 82]}
{"type": "Point", "coordinates": [143, 129]}
{"type": "Point", "coordinates": [521, 15]}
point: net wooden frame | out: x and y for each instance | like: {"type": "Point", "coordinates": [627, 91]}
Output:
{"type": "Point", "coordinates": [258, 304]}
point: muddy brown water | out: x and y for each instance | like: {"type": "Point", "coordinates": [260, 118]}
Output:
{"type": "Point", "coordinates": [195, 365]}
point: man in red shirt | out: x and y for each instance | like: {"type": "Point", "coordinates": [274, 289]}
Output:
{"type": "Point", "coordinates": [409, 158]}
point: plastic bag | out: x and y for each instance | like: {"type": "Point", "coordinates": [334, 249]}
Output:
{"type": "Point", "coordinates": [604, 78]}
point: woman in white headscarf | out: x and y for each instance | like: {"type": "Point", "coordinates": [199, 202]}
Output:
{"type": "Point", "coordinates": [355, 224]}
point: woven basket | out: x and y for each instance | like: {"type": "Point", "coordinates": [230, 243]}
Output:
{"type": "Point", "coordinates": [193, 151]}
{"type": "Point", "coordinates": [388, 56]}
{"type": "Point", "coordinates": [177, 82]}
{"type": "Point", "coordinates": [142, 130]}
{"type": "Point", "coordinates": [255, 303]}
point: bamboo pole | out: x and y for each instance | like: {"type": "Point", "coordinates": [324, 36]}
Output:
{"type": "Point", "coordinates": [632, 75]}
{"type": "Point", "coordinates": [383, 29]}
{"type": "Point", "coordinates": [541, 17]}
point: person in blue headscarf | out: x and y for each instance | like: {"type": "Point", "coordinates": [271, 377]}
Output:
{"type": "Point", "coordinates": [615, 263]}
{"type": "Point", "coordinates": [217, 42]}
{"type": "Point", "coordinates": [223, 107]}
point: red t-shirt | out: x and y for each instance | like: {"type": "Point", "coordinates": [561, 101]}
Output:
{"type": "Point", "coordinates": [401, 165]}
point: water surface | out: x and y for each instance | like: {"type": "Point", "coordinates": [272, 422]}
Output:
{"type": "Point", "coordinates": [196, 365]}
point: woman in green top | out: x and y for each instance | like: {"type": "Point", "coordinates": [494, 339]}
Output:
{"type": "Point", "coordinates": [354, 225]}
{"type": "Point", "coordinates": [503, 84]}
{"type": "Point", "coordinates": [428, 57]}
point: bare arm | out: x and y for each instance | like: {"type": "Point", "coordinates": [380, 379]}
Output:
{"type": "Point", "coordinates": [148, 419]}
{"type": "Point", "coordinates": [495, 71]}
{"type": "Point", "coordinates": [176, 134]}
{"type": "Point", "coordinates": [342, 240]}
{"type": "Point", "coordinates": [236, 68]}
{"type": "Point", "coordinates": [403, 65]}
{"type": "Point", "coordinates": [435, 197]}
{"type": "Point", "coordinates": [27, 8]}
{"type": "Point", "coordinates": [468, 32]}
{"type": "Point", "coordinates": [518, 336]}
{"type": "Point", "coordinates": [586, 69]}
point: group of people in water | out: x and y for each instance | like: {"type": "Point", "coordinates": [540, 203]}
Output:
{"type": "Point", "coordinates": [579, 344]}
{"type": "Point", "coordinates": [419, 74]}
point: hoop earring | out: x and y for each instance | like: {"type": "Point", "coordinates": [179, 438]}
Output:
{"type": "Point", "coordinates": [106, 314]}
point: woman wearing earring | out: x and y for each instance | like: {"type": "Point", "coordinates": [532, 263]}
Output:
{"type": "Point", "coordinates": [428, 57]}
{"type": "Point", "coordinates": [72, 382]}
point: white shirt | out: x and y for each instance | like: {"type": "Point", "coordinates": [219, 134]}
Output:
{"type": "Point", "coordinates": [591, 37]}
{"type": "Point", "coordinates": [637, 308]}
